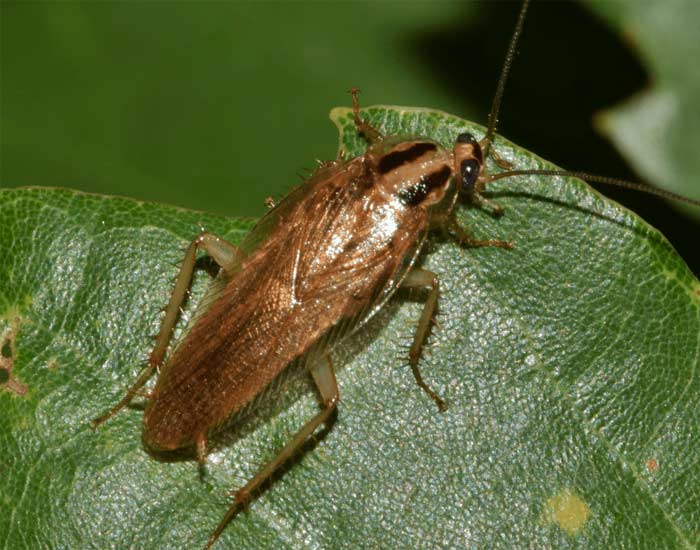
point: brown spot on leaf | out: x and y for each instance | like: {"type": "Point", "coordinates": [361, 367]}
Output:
{"type": "Point", "coordinates": [652, 465]}
{"type": "Point", "coordinates": [7, 360]}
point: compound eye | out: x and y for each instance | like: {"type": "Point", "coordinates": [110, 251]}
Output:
{"type": "Point", "coordinates": [466, 137]}
{"type": "Point", "coordinates": [469, 172]}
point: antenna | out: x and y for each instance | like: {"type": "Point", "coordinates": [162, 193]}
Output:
{"type": "Point", "coordinates": [493, 124]}
{"type": "Point", "coordinates": [594, 178]}
{"type": "Point", "coordinates": [500, 87]}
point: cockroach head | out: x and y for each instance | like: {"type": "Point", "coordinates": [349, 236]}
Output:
{"type": "Point", "coordinates": [468, 161]}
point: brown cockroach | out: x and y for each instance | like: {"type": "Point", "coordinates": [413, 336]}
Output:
{"type": "Point", "coordinates": [317, 265]}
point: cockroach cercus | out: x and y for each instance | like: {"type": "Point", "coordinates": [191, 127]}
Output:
{"type": "Point", "coordinates": [316, 266]}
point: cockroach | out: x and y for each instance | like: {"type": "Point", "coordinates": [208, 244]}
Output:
{"type": "Point", "coordinates": [318, 265]}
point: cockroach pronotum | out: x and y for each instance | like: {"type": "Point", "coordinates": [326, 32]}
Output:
{"type": "Point", "coordinates": [318, 265]}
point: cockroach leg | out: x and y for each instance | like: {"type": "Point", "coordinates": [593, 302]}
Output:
{"type": "Point", "coordinates": [223, 253]}
{"type": "Point", "coordinates": [499, 160]}
{"type": "Point", "coordinates": [364, 128]}
{"type": "Point", "coordinates": [487, 148]}
{"type": "Point", "coordinates": [128, 396]}
{"type": "Point", "coordinates": [323, 374]}
{"type": "Point", "coordinates": [465, 240]}
{"type": "Point", "coordinates": [421, 278]}
{"type": "Point", "coordinates": [202, 450]}
{"type": "Point", "coordinates": [479, 200]}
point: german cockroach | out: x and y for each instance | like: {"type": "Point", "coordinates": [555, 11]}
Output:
{"type": "Point", "coordinates": [317, 265]}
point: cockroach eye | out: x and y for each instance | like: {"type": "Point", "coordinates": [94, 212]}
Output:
{"type": "Point", "coordinates": [469, 171]}
{"type": "Point", "coordinates": [466, 137]}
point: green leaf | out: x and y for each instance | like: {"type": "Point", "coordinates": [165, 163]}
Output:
{"type": "Point", "coordinates": [570, 366]}
{"type": "Point", "coordinates": [658, 130]}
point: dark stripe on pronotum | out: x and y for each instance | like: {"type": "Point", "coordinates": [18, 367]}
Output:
{"type": "Point", "coordinates": [414, 195]}
{"type": "Point", "coordinates": [397, 158]}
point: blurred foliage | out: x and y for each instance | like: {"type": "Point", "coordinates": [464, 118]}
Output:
{"type": "Point", "coordinates": [658, 128]}
{"type": "Point", "coordinates": [216, 105]}
{"type": "Point", "coordinates": [208, 105]}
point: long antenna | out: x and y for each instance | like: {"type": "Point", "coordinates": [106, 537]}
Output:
{"type": "Point", "coordinates": [493, 123]}
{"type": "Point", "coordinates": [594, 178]}
{"type": "Point", "coordinates": [500, 87]}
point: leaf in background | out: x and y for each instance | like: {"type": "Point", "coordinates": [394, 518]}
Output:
{"type": "Point", "coordinates": [570, 366]}
{"type": "Point", "coordinates": [187, 102]}
{"type": "Point", "coordinates": [658, 130]}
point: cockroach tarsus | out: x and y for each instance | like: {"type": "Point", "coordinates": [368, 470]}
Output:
{"type": "Point", "coordinates": [317, 265]}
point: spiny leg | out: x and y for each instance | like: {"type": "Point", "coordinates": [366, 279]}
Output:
{"type": "Point", "coordinates": [487, 147]}
{"type": "Point", "coordinates": [323, 374]}
{"type": "Point", "coordinates": [499, 160]}
{"type": "Point", "coordinates": [465, 240]}
{"type": "Point", "coordinates": [371, 134]}
{"type": "Point", "coordinates": [479, 200]}
{"type": "Point", "coordinates": [421, 278]}
{"type": "Point", "coordinates": [226, 255]}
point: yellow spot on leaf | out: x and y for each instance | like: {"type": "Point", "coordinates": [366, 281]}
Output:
{"type": "Point", "coordinates": [568, 511]}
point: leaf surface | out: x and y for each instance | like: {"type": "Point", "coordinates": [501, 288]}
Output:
{"type": "Point", "coordinates": [570, 366]}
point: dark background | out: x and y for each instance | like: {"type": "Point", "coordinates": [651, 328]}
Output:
{"type": "Point", "coordinates": [216, 105]}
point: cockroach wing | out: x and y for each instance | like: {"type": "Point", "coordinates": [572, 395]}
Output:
{"type": "Point", "coordinates": [363, 246]}
{"type": "Point", "coordinates": [259, 233]}
{"type": "Point", "coordinates": [284, 210]}
{"type": "Point", "coordinates": [347, 244]}
{"type": "Point", "coordinates": [318, 265]}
